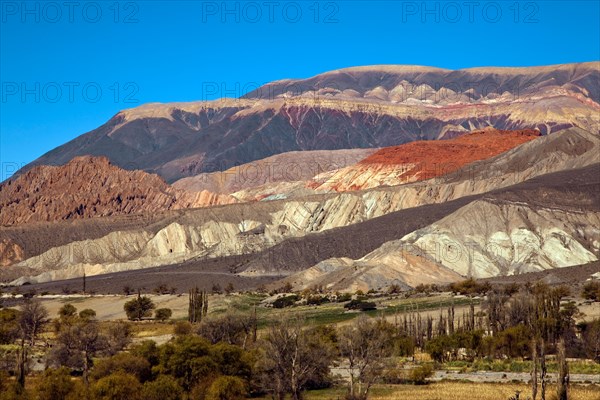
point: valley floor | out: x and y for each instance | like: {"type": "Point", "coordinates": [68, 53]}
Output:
{"type": "Point", "coordinates": [454, 391]}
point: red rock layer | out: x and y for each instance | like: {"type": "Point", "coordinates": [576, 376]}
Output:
{"type": "Point", "coordinates": [91, 187]}
{"type": "Point", "coordinates": [433, 158]}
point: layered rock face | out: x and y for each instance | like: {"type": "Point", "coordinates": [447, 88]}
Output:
{"type": "Point", "coordinates": [303, 161]}
{"type": "Point", "coordinates": [495, 235]}
{"type": "Point", "coordinates": [422, 160]}
{"type": "Point", "coordinates": [91, 187]}
{"type": "Point", "coordinates": [270, 172]}
{"type": "Point", "coordinates": [254, 227]}
{"type": "Point", "coordinates": [353, 108]}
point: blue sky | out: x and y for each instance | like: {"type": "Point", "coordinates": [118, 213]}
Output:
{"type": "Point", "coordinates": [66, 68]}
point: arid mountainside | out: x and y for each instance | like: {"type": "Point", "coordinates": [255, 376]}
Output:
{"type": "Point", "coordinates": [356, 178]}
{"type": "Point", "coordinates": [489, 237]}
{"type": "Point", "coordinates": [89, 187]}
{"type": "Point", "coordinates": [366, 107]}
{"type": "Point", "coordinates": [297, 166]}
{"type": "Point", "coordinates": [260, 227]}
{"type": "Point", "coordinates": [422, 160]}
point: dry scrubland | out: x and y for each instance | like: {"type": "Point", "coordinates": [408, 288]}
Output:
{"type": "Point", "coordinates": [110, 307]}
{"type": "Point", "coordinates": [453, 391]}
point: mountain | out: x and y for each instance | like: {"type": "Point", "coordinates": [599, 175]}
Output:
{"type": "Point", "coordinates": [497, 234]}
{"type": "Point", "coordinates": [270, 234]}
{"type": "Point", "coordinates": [89, 187]}
{"type": "Point", "coordinates": [364, 107]}
{"type": "Point", "coordinates": [353, 179]}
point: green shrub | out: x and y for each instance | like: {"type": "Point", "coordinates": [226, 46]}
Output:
{"type": "Point", "coordinates": [138, 308]}
{"type": "Point", "coordinates": [117, 386]}
{"type": "Point", "coordinates": [165, 387]}
{"type": "Point", "coordinates": [123, 362]}
{"type": "Point", "coordinates": [286, 301]}
{"type": "Point", "coordinates": [227, 388]}
{"type": "Point", "coordinates": [55, 384]}
{"type": "Point", "coordinates": [419, 375]}
{"type": "Point", "coordinates": [360, 305]}
{"type": "Point", "coordinates": [163, 314]}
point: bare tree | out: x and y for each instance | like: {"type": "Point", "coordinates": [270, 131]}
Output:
{"type": "Point", "coordinates": [562, 388]}
{"type": "Point", "coordinates": [77, 344]}
{"type": "Point", "coordinates": [231, 328]}
{"type": "Point", "coordinates": [32, 319]}
{"type": "Point", "coordinates": [534, 369]}
{"type": "Point", "coordinates": [364, 347]}
{"type": "Point", "coordinates": [294, 356]}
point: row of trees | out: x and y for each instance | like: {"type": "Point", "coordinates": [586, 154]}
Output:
{"type": "Point", "coordinates": [223, 357]}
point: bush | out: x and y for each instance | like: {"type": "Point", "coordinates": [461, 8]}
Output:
{"type": "Point", "coordinates": [591, 291]}
{"type": "Point", "coordinates": [470, 287]}
{"type": "Point", "coordinates": [87, 314]}
{"type": "Point", "coordinates": [344, 297]}
{"type": "Point", "coordinates": [123, 362]}
{"type": "Point", "coordinates": [360, 305]}
{"type": "Point", "coordinates": [182, 328]}
{"type": "Point", "coordinates": [9, 327]}
{"type": "Point", "coordinates": [163, 314]}
{"type": "Point", "coordinates": [227, 388]}
{"type": "Point", "coordinates": [55, 384]}
{"type": "Point", "coordinates": [286, 301]}
{"type": "Point", "coordinates": [165, 387]}
{"type": "Point", "coordinates": [117, 386]}
{"type": "Point", "coordinates": [148, 350]}
{"type": "Point", "coordinates": [419, 375]}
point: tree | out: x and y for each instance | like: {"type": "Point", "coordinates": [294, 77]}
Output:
{"type": "Point", "coordinates": [55, 384]}
{"type": "Point", "coordinates": [562, 387]}
{"type": "Point", "coordinates": [227, 388]}
{"type": "Point", "coordinates": [163, 314]}
{"type": "Point", "coordinates": [293, 356]}
{"type": "Point", "coordinates": [9, 325]}
{"type": "Point", "coordinates": [229, 288]}
{"type": "Point", "coordinates": [165, 387]}
{"type": "Point", "coordinates": [591, 291]}
{"type": "Point", "coordinates": [117, 386]}
{"type": "Point", "coordinates": [67, 311]}
{"type": "Point", "coordinates": [364, 347]}
{"type": "Point", "coordinates": [138, 308]}
{"type": "Point", "coordinates": [232, 328]}
{"type": "Point", "coordinates": [32, 319]}
{"type": "Point", "coordinates": [591, 339]}
{"type": "Point", "coordinates": [76, 346]}
{"type": "Point", "coordinates": [123, 362]}
{"type": "Point", "coordinates": [118, 336]}
{"type": "Point", "coordinates": [198, 305]}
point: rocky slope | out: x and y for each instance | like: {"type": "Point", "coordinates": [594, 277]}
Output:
{"type": "Point", "coordinates": [91, 187]}
{"type": "Point", "coordinates": [179, 236]}
{"type": "Point", "coordinates": [353, 108]}
{"type": "Point", "coordinates": [489, 237]}
{"type": "Point", "coordinates": [291, 167]}
{"type": "Point", "coordinates": [422, 160]}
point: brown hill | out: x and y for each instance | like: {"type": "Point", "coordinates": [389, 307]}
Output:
{"type": "Point", "coordinates": [91, 187]}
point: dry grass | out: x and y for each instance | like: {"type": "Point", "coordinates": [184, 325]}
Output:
{"type": "Point", "coordinates": [455, 391]}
